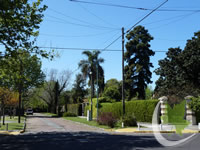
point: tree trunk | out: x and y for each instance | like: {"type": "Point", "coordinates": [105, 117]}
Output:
{"type": "Point", "coordinates": [3, 113]}
{"type": "Point", "coordinates": [19, 107]}
{"type": "Point", "coordinates": [0, 116]}
{"type": "Point", "coordinates": [92, 88]}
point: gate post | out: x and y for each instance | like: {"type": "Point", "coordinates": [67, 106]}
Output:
{"type": "Point", "coordinates": [190, 115]}
{"type": "Point", "coordinates": [163, 100]}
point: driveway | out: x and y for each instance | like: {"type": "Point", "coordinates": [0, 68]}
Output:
{"type": "Point", "coordinates": [42, 123]}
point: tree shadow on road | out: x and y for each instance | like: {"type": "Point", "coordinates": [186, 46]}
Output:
{"type": "Point", "coordinates": [77, 141]}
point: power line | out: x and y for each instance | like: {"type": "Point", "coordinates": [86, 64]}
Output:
{"type": "Point", "coordinates": [171, 18]}
{"type": "Point", "coordinates": [83, 25]}
{"type": "Point", "coordinates": [83, 49]}
{"type": "Point", "coordinates": [76, 49]}
{"type": "Point", "coordinates": [82, 21]}
{"type": "Point", "coordinates": [137, 23]}
{"type": "Point", "coordinates": [76, 36]}
{"type": "Point", "coordinates": [183, 17]}
{"type": "Point", "coordinates": [99, 18]}
{"type": "Point", "coordinates": [147, 16]}
{"type": "Point", "coordinates": [132, 7]}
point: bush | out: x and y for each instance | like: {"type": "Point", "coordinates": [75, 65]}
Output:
{"type": "Point", "coordinates": [107, 118]}
{"type": "Point", "coordinates": [69, 114]}
{"type": "Point", "coordinates": [115, 108]}
{"type": "Point", "coordinates": [195, 106]}
{"type": "Point", "coordinates": [130, 120]}
{"type": "Point", "coordinates": [75, 109]}
{"type": "Point", "coordinates": [104, 100]}
{"type": "Point", "coordinates": [85, 110]}
{"type": "Point", "coordinates": [112, 93]}
{"type": "Point", "coordinates": [142, 109]}
{"type": "Point", "coordinates": [94, 108]}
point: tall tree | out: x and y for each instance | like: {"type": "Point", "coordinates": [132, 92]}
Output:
{"type": "Point", "coordinates": [137, 57]}
{"type": "Point", "coordinates": [52, 89]}
{"type": "Point", "coordinates": [21, 73]}
{"type": "Point", "coordinates": [78, 90]}
{"type": "Point", "coordinates": [179, 72]}
{"type": "Point", "coordinates": [170, 73]}
{"type": "Point", "coordinates": [90, 65]}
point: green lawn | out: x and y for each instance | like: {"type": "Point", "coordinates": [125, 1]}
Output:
{"type": "Point", "coordinates": [91, 123]}
{"type": "Point", "coordinates": [7, 118]}
{"type": "Point", "coordinates": [50, 114]}
{"type": "Point", "coordinates": [13, 125]}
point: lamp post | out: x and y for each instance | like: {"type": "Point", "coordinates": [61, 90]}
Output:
{"type": "Point", "coordinates": [97, 90]}
{"type": "Point", "coordinates": [91, 93]}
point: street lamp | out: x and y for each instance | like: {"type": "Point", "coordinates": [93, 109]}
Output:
{"type": "Point", "coordinates": [91, 93]}
{"type": "Point", "coordinates": [97, 66]}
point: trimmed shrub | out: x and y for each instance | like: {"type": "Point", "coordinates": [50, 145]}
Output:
{"type": "Point", "coordinates": [85, 110]}
{"type": "Point", "coordinates": [130, 120]}
{"type": "Point", "coordinates": [75, 109]}
{"type": "Point", "coordinates": [142, 109]}
{"type": "Point", "coordinates": [68, 114]}
{"type": "Point", "coordinates": [107, 118]}
{"type": "Point", "coordinates": [115, 108]}
{"type": "Point", "coordinates": [105, 100]}
{"type": "Point", "coordinates": [94, 108]}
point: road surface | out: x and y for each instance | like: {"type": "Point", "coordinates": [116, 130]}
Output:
{"type": "Point", "coordinates": [42, 123]}
{"type": "Point", "coordinates": [45, 133]}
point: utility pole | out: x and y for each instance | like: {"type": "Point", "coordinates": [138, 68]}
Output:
{"type": "Point", "coordinates": [123, 100]}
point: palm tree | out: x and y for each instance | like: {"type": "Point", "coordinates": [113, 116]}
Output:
{"type": "Point", "coordinates": [89, 69]}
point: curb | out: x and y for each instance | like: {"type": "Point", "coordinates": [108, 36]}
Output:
{"type": "Point", "coordinates": [149, 131]}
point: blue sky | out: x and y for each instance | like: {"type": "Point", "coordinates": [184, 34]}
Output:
{"type": "Point", "coordinates": [78, 25]}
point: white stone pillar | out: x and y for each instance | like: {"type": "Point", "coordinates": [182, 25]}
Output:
{"type": "Point", "coordinates": [190, 115]}
{"type": "Point", "coordinates": [163, 100]}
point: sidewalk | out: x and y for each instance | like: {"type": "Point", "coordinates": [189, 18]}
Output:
{"type": "Point", "coordinates": [147, 128]}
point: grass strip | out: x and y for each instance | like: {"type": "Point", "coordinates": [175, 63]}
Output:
{"type": "Point", "coordinates": [84, 121]}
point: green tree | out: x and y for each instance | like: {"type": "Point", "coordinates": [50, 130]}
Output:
{"type": "Point", "coordinates": [170, 73]}
{"type": "Point", "coordinates": [179, 72]}
{"type": "Point", "coordinates": [52, 89]}
{"type": "Point", "coordinates": [190, 58]}
{"type": "Point", "coordinates": [149, 92]}
{"type": "Point", "coordinates": [78, 90]}
{"type": "Point", "coordinates": [137, 57]}
{"type": "Point", "coordinates": [19, 27]}
{"type": "Point", "coordinates": [21, 73]}
{"type": "Point", "coordinates": [112, 90]}
{"type": "Point", "coordinates": [23, 70]}
{"type": "Point", "coordinates": [46, 94]}
{"type": "Point", "coordinates": [90, 65]}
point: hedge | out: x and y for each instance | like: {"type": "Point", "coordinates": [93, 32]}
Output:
{"type": "Point", "coordinates": [75, 109]}
{"type": "Point", "coordinates": [94, 108]}
{"type": "Point", "coordinates": [142, 109]}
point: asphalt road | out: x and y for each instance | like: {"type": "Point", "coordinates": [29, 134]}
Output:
{"type": "Point", "coordinates": [53, 133]}
{"type": "Point", "coordinates": [42, 123]}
